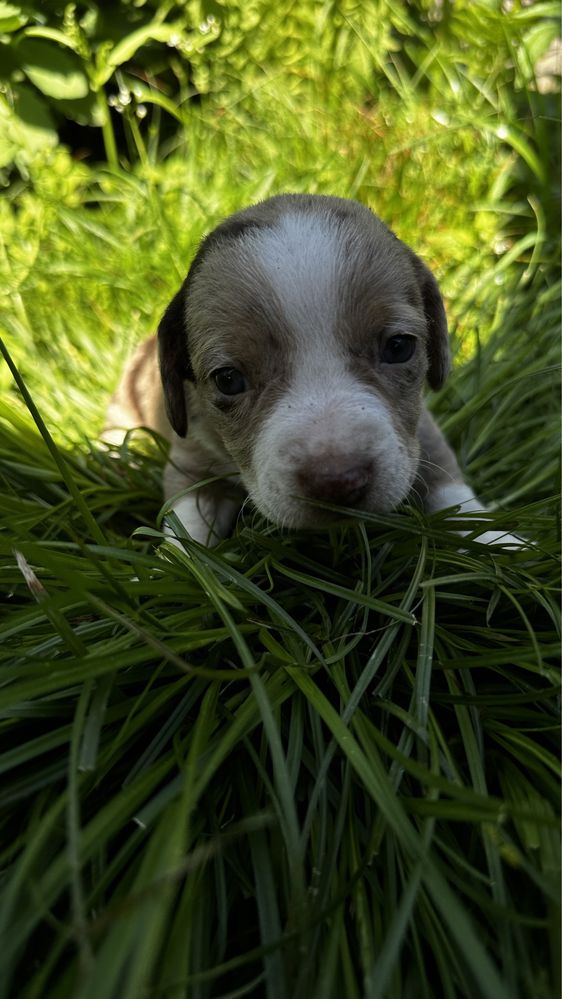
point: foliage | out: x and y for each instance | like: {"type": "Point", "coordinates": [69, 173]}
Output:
{"type": "Point", "coordinates": [78, 61]}
{"type": "Point", "coordinates": [302, 764]}
{"type": "Point", "coordinates": [59, 62]}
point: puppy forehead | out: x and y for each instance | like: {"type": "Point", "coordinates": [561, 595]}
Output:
{"type": "Point", "coordinates": [303, 272]}
{"type": "Point", "coordinates": [316, 263]}
{"type": "Point", "coordinates": [301, 252]}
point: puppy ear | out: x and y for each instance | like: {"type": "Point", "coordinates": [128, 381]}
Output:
{"type": "Point", "coordinates": [175, 367]}
{"type": "Point", "coordinates": [438, 345]}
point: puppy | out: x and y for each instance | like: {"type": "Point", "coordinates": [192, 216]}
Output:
{"type": "Point", "coordinates": [292, 363]}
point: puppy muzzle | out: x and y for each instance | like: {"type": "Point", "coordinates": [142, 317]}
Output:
{"type": "Point", "coordinates": [335, 478]}
{"type": "Point", "coordinates": [340, 447]}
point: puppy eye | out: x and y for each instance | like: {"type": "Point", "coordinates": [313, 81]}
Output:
{"type": "Point", "coordinates": [229, 381]}
{"type": "Point", "coordinates": [399, 348]}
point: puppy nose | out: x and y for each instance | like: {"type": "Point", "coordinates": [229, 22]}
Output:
{"type": "Point", "coordinates": [337, 480]}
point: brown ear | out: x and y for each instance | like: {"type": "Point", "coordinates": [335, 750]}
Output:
{"type": "Point", "coordinates": [175, 366]}
{"type": "Point", "coordinates": [438, 344]}
{"type": "Point", "coordinates": [174, 361]}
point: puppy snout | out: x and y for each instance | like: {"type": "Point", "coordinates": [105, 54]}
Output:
{"type": "Point", "coordinates": [339, 479]}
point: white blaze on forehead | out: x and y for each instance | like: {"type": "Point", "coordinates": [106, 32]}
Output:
{"type": "Point", "coordinates": [301, 257]}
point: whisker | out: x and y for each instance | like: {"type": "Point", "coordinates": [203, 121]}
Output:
{"type": "Point", "coordinates": [426, 463]}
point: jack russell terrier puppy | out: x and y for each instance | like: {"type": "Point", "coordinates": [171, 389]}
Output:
{"type": "Point", "coordinates": [292, 363]}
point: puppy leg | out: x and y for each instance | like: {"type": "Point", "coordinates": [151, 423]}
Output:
{"type": "Point", "coordinates": [205, 518]}
{"type": "Point", "coordinates": [453, 494]}
{"type": "Point", "coordinates": [206, 512]}
{"type": "Point", "coordinates": [441, 483]}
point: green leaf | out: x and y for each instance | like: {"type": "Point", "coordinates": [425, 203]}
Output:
{"type": "Point", "coordinates": [54, 71]}
{"type": "Point", "coordinates": [27, 127]}
{"type": "Point", "coordinates": [53, 34]}
{"type": "Point", "coordinates": [539, 37]}
{"type": "Point", "coordinates": [117, 55]}
{"type": "Point", "coordinates": [150, 95]}
{"type": "Point", "coordinates": [11, 18]}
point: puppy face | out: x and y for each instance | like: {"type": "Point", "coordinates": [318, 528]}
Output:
{"type": "Point", "coordinates": [305, 332]}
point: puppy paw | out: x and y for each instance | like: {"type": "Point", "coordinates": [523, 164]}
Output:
{"type": "Point", "coordinates": [459, 496]}
{"type": "Point", "coordinates": [502, 539]}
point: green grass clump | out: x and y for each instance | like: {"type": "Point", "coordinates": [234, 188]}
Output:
{"type": "Point", "coordinates": [301, 764]}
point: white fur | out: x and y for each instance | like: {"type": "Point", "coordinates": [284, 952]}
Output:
{"type": "Point", "coordinates": [453, 494]}
{"type": "Point", "coordinates": [458, 494]}
{"type": "Point", "coordinates": [206, 519]}
{"type": "Point", "coordinates": [302, 258]}
{"type": "Point", "coordinates": [330, 410]}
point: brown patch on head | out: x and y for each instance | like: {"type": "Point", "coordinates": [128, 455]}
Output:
{"type": "Point", "coordinates": [173, 335]}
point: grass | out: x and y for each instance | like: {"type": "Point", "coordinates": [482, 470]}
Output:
{"type": "Point", "coordinates": [302, 763]}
